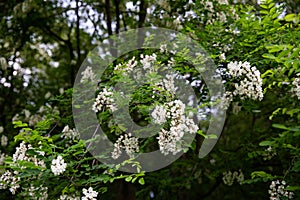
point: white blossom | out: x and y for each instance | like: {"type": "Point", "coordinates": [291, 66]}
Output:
{"type": "Point", "coordinates": [296, 86]}
{"type": "Point", "coordinates": [68, 197]}
{"type": "Point", "coordinates": [128, 67]}
{"type": "Point", "coordinates": [2, 157]}
{"type": "Point", "coordinates": [229, 177]}
{"type": "Point", "coordinates": [90, 194]}
{"type": "Point", "coordinates": [20, 155]}
{"type": "Point", "coordinates": [3, 63]}
{"type": "Point", "coordinates": [68, 133]}
{"type": "Point", "coordinates": [10, 180]}
{"type": "Point", "coordinates": [226, 100]}
{"type": "Point", "coordinates": [163, 48]}
{"type": "Point", "coordinates": [104, 98]}
{"type": "Point", "coordinates": [225, 2]}
{"type": "Point", "coordinates": [58, 166]}
{"type": "Point", "coordinates": [250, 82]}
{"type": "Point", "coordinates": [277, 190]}
{"type": "Point", "coordinates": [4, 140]}
{"type": "Point", "coordinates": [148, 60]}
{"type": "Point", "coordinates": [269, 153]}
{"type": "Point", "coordinates": [171, 141]}
{"type": "Point", "coordinates": [127, 143]}
{"type": "Point", "coordinates": [222, 57]}
{"type": "Point", "coordinates": [87, 75]}
{"type": "Point", "coordinates": [209, 6]}
{"type": "Point", "coordinates": [1, 129]}
{"type": "Point", "coordinates": [37, 193]}
{"type": "Point", "coordinates": [159, 114]}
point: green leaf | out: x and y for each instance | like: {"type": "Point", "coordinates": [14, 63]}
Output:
{"type": "Point", "coordinates": [19, 124]}
{"type": "Point", "coordinates": [270, 56]}
{"type": "Point", "coordinates": [292, 188]}
{"type": "Point", "coordinates": [290, 17]}
{"type": "Point", "coordinates": [280, 126]}
{"type": "Point", "coordinates": [266, 143]}
{"type": "Point", "coordinates": [128, 178]}
{"type": "Point", "coordinates": [141, 181]}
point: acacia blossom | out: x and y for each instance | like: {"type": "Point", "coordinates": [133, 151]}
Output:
{"type": "Point", "coordinates": [58, 166]}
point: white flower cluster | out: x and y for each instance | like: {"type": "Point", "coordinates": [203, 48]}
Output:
{"type": "Point", "coordinates": [68, 133]}
{"type": "Point", "coordinates": [163, 48]}
{"type": "Point", "coordinates": [225, 2]}
{"type": "Point", "coordinates": [229, 177]}
{"type": "Point", "coordinates": [32, 192]}
{"type": "Point", "coordinates": [277, 190]}
{"type": "Point", "coordinates": [214, 14]}
{"type": "Point", "coordinates": [250, 85]}
{"type": "Point", "coordinates": [296, 84]}
{"type": "Point", "coordinates": [2, 157]}
{"type": "Point", "coordinates": [104, 98]}
{"type": "Point", "coordinates": [159, 114]}
{"type": "Point", "coordinates": [90, 194]}
{"type": "Point", "coordinates": [222, 57]}
{"type": "Point", "coordinates": [10, 180]}
{"type": "Point", "coordinates": [171, 141]}
{"type": "Point", "coordinates": [68, 197]}
{"type": "Point", "coordinates": [128, 143]}
{"type": "Point", "coordinates": [269, 153]}
{"type": "Point", "coordinates": [4, 140]}
{"type": "Point", "coordinates": [226, 100]}
{"type": "Point", "coordinates": [87, 75]}
{"type": "Point", "coordinates": [148, 60]}
{"type": "Point", "coordinates": [128, 66]}
{"type": "Point", "coordinates": [20, 154]}
{"type": "Point", "coordinates": [58, 166]}
{"type": "Point", "coordinates": [40, 115]}
{"type": "Point", "coordinates": [167, 84]}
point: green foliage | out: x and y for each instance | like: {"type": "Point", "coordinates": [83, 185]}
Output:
{"type": "Point", "coordinates": [42, 49]}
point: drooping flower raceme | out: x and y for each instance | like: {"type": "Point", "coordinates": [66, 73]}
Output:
{"type": "Point", "coordinates": [170, 137]}
{"type": "Point", "coordinates": [90, 194]}
{"type": "Point", "coordinates": [296, 86]}
{"type": "Point", "coordinates": [4, 140]}
{"type": "Point", "coordinates": [249, 85]}
{"type": "Point", "coordinates": [127, 143]}
{"type": "Point", "coordinates": [104, 98]}
{"type": "Point", "coordinates": [20, 155]}
{"type": "Point", "coordinates": [10, 180]}
{"type": "Point", "coordinates": [148, 60]}
{"type": "Point", "coordinates": [88, 75]}
{"type": "Point", "coordinates": [58, 166]}
{"type": "Point", "coordinates": [229, 177]}
{"type": "Point", "coordinates": [277, 190]}
{"type": "Point", "coordinates": [68, 133]}
{"type": "Point", "coordinates": [31, 191]}
{"type": "Point", "coordinates": [68, 197]}
{"type": "Point", "coordinates": [170, 141]}
{"type": "Point", "coordinates": [159, 114]}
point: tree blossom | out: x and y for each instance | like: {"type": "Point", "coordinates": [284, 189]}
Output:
{"type": "Point", "coordinates": [104, 98]}
{"type": "Point", "coordinates": [296, 84]}
{"type": "Point", "coordinates": [159, 114]}
{"type": "Point", "coordinates": [87, 75]}
{"type": "Point", "coordinates": [58, 166]}
{"type": "Point", "coordinates": [68, 133]}
{"type": "Point", "coordinates": [250, 82]}
{"type": "Point", "coordinates": [277, 190]}
{"type": "Point", "coordinates": [128, 143]}
{"type": "Point", "coordinates": [90, 194]}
